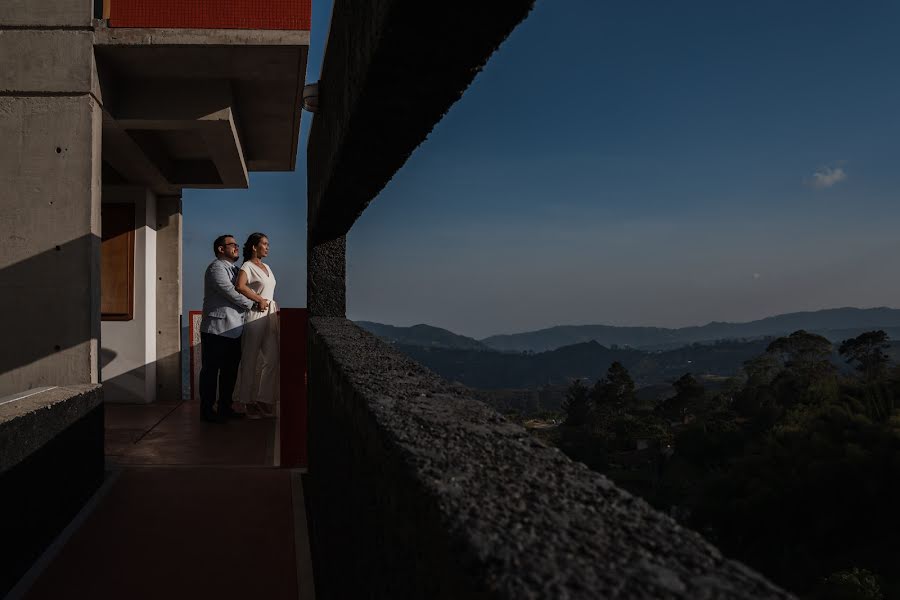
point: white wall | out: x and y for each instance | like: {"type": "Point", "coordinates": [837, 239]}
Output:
{"type": "Point", "coordinates": [128, 348]}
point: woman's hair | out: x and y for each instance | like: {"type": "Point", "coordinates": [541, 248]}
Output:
{"type": "Point", "coordinates": [253, 240]}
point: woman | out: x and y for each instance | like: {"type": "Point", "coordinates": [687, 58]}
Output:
{"type": "Point", "coordinates": [259, 372]}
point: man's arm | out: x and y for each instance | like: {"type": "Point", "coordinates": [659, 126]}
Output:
{"type": "Point", "coordinates": [223, 285]}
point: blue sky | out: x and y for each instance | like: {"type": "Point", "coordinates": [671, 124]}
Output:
{"type": "Point", "coordinates": [641, 163]}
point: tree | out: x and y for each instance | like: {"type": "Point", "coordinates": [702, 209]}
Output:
{"type": "Point", "coordinates": [867, 351]}
{"type": "Point", "coordinates": [615, 391]}
{"type": "Point", "coordinates": [808, 375]}
{"type": "Point", "coordinates": [577, 404]}
{"type": "Point", "coordinates": [688, 394]}
{"type": "Point", "coordinates": [852, 584]}
{"type": "Point", "coordinates": [621, 385]}
{"type": "Point", "coordinates": [803, 354]}
{"type": "Point", "coordinates": [761, 370]}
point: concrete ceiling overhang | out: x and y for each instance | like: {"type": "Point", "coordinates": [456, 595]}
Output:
{"type": "Point", "coordinates": [390, 74]}
{"type": "Point", "coordinates": [199, 108]}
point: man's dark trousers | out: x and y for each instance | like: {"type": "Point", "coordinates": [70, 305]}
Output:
{"type": "Point", "coordinates": [221, 356]}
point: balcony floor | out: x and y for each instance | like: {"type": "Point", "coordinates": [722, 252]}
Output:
{"type": "Point", "coordinates": [173, 434]}
{"type": "Point", "coordinates": [188, 510]}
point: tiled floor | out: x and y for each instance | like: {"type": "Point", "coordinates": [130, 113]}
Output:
{"type": "Point", "coordinates": [189, 510]}
{"type": "Point", "coordinates": [127, 423]}
{"type": "Point", "coordinates": [161, 434]}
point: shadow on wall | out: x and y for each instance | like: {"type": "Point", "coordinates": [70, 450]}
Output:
{"type": "Point", "coordinates": [55, 301]}
{"type": "Point", "coordinates": [47, 294]}
{"type": "Point", "coordinates": [131, 387]}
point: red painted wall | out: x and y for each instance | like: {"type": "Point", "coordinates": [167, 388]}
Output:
{"type": "Point", "coordinates": [294, 401]}
{"type": "Point", "coordinates": [211, 14]}
{"type": "Point", "coordinates": [293, 417]}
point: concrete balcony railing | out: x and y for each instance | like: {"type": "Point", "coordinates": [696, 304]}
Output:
{"type": "Point", "coordinates": [418, 491]}
{"type": "Point", "coordinates": [51, 462]}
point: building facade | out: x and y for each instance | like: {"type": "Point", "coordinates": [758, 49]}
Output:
{"type": "Point", "coordinates": [109, 110]}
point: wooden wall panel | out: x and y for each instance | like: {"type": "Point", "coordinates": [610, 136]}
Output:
{"type": "Point", "coordinates": [117, 262]}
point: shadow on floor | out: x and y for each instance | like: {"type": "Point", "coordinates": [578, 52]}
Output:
{"type": "Point", "coordinates": [170, 532]}
{"type": "Point", "coordinates": [189, 510]}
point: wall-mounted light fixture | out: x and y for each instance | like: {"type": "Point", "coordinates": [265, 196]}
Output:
{"type": "Point", "coordinates": [311, 97]}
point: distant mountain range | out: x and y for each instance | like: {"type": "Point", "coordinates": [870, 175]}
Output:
{"type": "Point", "coordinates": [836, 324]}
{"type": "Point", "coordinates": [653, 355]}
{"type": "Point", "coordinates": [422, 335]}
{"type": "Point", "coordinates": [587, 360]}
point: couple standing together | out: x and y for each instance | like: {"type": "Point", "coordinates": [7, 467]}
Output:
{"type": "Point", "coordinates": [239, 333]}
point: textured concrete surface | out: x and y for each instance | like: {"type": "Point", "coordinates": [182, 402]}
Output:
{"type": "Point", "coordinates": [390, 74]}
{"type": "Point", "coordinates": [212, 37]}
{"type": "Point", "coordinates": [168, 297]}
{"type": "Point", "coordinates": [51, 443]}
{"type": "Point", "coordinates": [416, 490]}
{"type": "Point", "coordinates": [27, 424]}
{"type": "Point", "coordinates": [51, 461]}
{"type": "Point", "coordinates": [49, 237]}
{"type": "Point", "coordinates": [193, 121]}
{"type": "Point", "coordinates": [264, 72]}
{"type": "Point", "coordinates": [58, 61]}
{"type": "Point", "coordinates": [67, 13]}
{"type": "Point", "coordinates": [326, 272]}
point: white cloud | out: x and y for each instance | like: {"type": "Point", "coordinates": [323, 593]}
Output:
{"type": "Point", "coordinates": [825, 177]}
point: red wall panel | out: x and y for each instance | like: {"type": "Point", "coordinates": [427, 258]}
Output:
{"type": "Point", "coordinates": [294, 401]}
{"type": "Point", "coordinates": [211, 14]}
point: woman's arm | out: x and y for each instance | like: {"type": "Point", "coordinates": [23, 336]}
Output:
{"type": "Point", "coordinates": [244, 289]}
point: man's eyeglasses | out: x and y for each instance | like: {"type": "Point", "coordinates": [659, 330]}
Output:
{"type": "Point", "coordinates": [231, 244]}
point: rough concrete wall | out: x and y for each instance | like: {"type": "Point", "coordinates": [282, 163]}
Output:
{"type": "Point", "coordinates": [417, 491]}
{"type": "Point", "coordinates": [49, 239]}
{"type": "Point", "coordinates": [51, 461]}
{"type": "Point", "coordinates": [47, 61]}
{"type": "Point", "coordinates": [326, 272]}
{"type": "Point", "coordinates": [390, 73]}
{"type": "Point", "coordinates": [31, 422]}
{"type": "Point", "coordinates": [50, 131]}
{"type": "Point", "coordinates": [168, 298]}
{"type": "Point", "coordinates": [69, 13]}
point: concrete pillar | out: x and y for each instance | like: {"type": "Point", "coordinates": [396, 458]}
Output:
{"type": "Point", "coordinates": [50, 164]}
{"type": "Point", "coordinates": [168, 298]}
{"type": "Point", "coordinates": [326, 291]}
{"type": "Point", "coordinates": [128, 355]}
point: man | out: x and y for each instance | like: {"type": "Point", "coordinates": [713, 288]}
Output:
{"type": "Point", "coordinates": [220, 331]}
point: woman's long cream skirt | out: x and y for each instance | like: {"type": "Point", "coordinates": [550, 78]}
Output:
{"type": "Point", "coordinates": [258, 378]}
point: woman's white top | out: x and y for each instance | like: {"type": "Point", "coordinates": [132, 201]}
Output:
{"type": "Point", "coordinates": [262, 283]}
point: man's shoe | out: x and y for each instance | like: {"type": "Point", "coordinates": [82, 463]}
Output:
{"type": "Point", "coordinates": [212, 418]}
{"type": "Point", "coordinates": [233, 414]}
